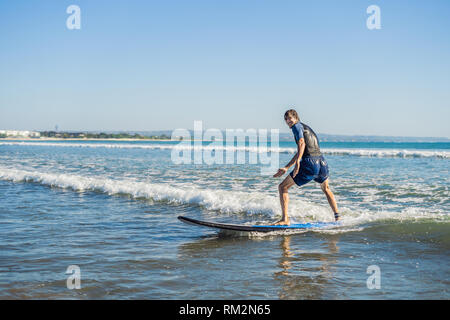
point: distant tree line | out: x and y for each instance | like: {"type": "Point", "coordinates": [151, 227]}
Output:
{"type": "Point", "coordinates": [102, 135]}
{"type": "Point", "coordinates": [2, 135]}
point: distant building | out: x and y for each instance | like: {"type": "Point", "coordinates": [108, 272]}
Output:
{"type": "Point", "coordinates": [18, 133]}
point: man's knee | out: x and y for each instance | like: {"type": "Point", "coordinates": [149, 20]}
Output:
{"type": "Point", "coordinates": [282, 188]}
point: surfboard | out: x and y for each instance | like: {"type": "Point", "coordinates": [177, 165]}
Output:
{"type": "Point", "coordinates": [256, 227]}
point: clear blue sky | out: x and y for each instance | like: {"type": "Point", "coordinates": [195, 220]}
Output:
{"type": "Point", "coordinates": [155, 65]}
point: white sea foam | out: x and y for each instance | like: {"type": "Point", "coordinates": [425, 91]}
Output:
{"type": "Point", "coordinates": [255, 148]}
{"type": "Point", "coordinates": [219, 200]}
{"type": "Point", "coordinates": [385, 153]}
{"type": "Point", "coordinates": [382, 153]}
{"type": "Point", "coordinates": [225, 201]}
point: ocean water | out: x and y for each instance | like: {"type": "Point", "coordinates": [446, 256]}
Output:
{"type": "Point", "coordinates": [111, 208]}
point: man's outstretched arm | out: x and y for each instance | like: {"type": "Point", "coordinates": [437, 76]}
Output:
{"type": "Point", "coordinates": [295, 159]}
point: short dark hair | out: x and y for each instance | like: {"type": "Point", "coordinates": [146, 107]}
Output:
{"type": "Point", "coordinates": [291, 112]}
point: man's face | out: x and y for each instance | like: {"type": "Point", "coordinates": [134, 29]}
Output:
{"type": "Point", "coordinates": [291, 120]}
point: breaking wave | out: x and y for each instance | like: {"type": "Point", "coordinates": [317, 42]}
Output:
{"type": "Point", "coordinates": [257, 203]}
{"type": "Point", "coordinates": [382, 153]}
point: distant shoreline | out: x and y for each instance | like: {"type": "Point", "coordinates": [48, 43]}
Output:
{"type": "Point", "coordinates": [192, 140]}
{"type": "Point", "coordinates": [83, 139]}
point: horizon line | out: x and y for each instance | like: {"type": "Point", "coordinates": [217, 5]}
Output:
{"type": "Point", "coordinates": [191, 130]}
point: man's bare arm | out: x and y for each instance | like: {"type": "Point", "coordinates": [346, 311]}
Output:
{"type": "Point", "coordinates": [298, 156]}
{"type": "Point", "coordinates": [295, 159]}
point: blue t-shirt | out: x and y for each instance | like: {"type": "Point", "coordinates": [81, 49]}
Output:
{"type": "Point", "coordinates": [297, 130]}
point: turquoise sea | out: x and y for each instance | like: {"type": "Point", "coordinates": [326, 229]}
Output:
{"type": "Point", "coordinates": [110, 208]}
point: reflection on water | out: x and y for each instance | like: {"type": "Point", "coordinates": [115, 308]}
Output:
{"type": "Point", "coordinates": [305, 275]}
{"type": "Point", "coordinates": [267, 267]}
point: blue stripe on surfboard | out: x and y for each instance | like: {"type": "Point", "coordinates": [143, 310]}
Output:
{"type": "Point", "coordinates": [299, 225]}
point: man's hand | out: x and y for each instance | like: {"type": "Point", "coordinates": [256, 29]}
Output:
{"type": "Point", "coordinates": [280, 172]}
{"type": "Point", "coordinates": [296, 170]}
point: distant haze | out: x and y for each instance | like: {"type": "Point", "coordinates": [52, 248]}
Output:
{"type": "Point", "coordinates": [289, 136]}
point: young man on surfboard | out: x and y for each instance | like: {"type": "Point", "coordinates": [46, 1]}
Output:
{"type": "Point", "coordinates": [309, 165]}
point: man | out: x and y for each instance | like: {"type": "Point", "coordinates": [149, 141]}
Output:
{"type": "Point", "coordinates": [309, 165]}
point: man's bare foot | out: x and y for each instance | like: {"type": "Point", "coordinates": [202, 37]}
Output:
{"type": "Point", "coordinates": [282, 223]}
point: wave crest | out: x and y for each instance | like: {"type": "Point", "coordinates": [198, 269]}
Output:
{"type": "Point", "coordinates": [382, 153]}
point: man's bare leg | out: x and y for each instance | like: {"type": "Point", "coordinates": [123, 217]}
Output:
{"type": "Point", "coordinates": [284, 200]}
{"type": "Point", "coordinates": [330, 197]}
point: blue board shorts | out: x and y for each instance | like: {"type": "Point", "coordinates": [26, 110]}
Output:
{"type": "Point", "coordinates": [311, 168]}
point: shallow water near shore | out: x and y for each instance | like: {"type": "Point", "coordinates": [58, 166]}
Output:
{"type": "Point", "coordinates": [111, 209]}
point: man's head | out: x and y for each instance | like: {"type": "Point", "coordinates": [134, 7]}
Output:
{"type": "Point", "coordinates": [291, 117]}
